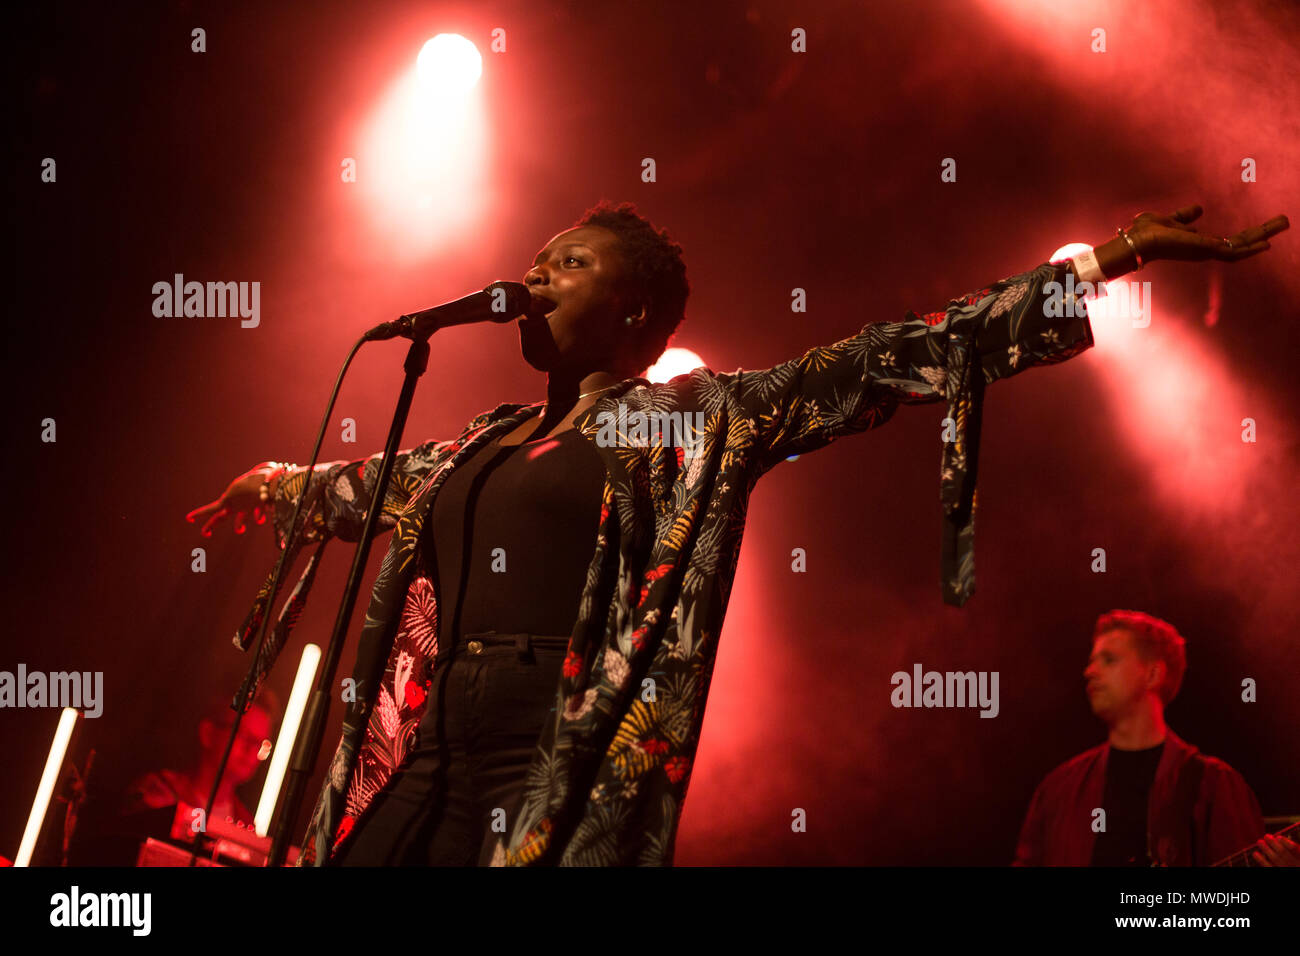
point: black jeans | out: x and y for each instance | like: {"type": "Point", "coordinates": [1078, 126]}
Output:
{"type": "Point", "coordinates": [490, 697]}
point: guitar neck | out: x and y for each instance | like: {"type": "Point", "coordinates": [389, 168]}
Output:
{"type": "Point", "coordinates": [1243, 857]}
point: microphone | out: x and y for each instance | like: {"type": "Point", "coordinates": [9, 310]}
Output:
{"type": "Point", "coordinates": [499, 302]}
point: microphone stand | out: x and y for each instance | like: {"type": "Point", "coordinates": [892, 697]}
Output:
{"type": "Point", "coordinates": [312, 731]}
{"type": "Point", "coordinates": [504, 300]}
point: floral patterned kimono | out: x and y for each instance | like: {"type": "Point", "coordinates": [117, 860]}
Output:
{"type": "Point", "coordinates": [611, 768]}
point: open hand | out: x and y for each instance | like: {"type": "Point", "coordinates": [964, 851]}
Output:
{"type": "Point", "coordinates": [239, 499]}
{"type": "Point", "coordinates": [1170, 237]}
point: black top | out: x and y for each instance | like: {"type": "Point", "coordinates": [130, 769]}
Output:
{"type": "Point", "coordinates": [1129, 775]}
{"type": "Point", "coordinates": [510, 537]}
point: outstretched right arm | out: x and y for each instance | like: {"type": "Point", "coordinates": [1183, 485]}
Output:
{"type": "Point", "coordinates": [339, 494]}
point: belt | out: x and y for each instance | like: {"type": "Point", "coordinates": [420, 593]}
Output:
{"type": "Point", "coordinates": [474, 644]}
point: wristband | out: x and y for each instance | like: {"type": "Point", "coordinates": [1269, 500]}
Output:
{"type": "Point", "coordinates": [1087, 269]}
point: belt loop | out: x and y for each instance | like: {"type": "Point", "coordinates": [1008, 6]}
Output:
{"type": "Point", "coordinates": [521, 645]}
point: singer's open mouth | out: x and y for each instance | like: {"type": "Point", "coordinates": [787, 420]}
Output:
{"type": "Point", "coordinates": [544, 302]}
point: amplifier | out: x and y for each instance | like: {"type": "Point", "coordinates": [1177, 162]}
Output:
{"type": "Point", "coordinates": [157, 853]}
{"type": "Point", "coordinates": [222, 843]}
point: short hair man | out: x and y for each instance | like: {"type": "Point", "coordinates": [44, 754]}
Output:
{"type": "Point", "coordinates": [1145, 797]}
{"type": "Point", "coordinates": [162, 788]}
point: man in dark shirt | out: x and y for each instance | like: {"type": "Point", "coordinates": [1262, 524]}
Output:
{"type": "Point", "coordinates": [166, 787]}
{"type": "Point", "coordinates": [1145, 797]}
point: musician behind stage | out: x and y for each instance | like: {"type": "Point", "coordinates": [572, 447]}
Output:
{"type": "Point", "coordinates": [164, 788]}
{"type": "Point", "coordinates": [1145, 797]}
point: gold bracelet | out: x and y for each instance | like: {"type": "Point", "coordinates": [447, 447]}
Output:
{"type": "Point", "coordinates": [1132, 245]}
{"type": "Point", "coordinates": [278, 470]}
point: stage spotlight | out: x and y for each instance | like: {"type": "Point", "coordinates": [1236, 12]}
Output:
{"type": "Point", "coordinates": [1069, 251]}
{"type": "Point", "coordinates": [672, 363]}
{"type": "Point", "coordinates": [448, 65]}
{"type": "Point", "coordinates": [423, 155]}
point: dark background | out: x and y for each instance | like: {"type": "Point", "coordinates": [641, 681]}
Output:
{"type": "Point", "coordinates": [776, 170]}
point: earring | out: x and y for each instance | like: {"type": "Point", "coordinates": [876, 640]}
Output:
{"type": "Point", "coordinates": [629, 320]}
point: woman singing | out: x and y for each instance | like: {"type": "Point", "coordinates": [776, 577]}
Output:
{"type": "Point", "coordinates": [544, 694]}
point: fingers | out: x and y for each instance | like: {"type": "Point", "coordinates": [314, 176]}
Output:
{"type": "Point", "coordinates": [1256, 234]}
{"type": "Point", "coordinates": [1252, 250]}
{"type": "Point", "coordinates": [1236, 248]}
{"type": "Point", "coordinates": [1251, 241]}
{"type": "Point", "coordinates": [1279, 851]}
{"type": "Point", "coordinates": [214, 512]}
{"type": "Point", "coordinates": [1230, 248]}
{"type": "Point", "coordinates": [1245, 244]}
{"type": "Point", "coordinates": [1237, 253]}
{"type": "Point", "coordinates": [206, 530]}
{"type": "Point", "coordinates": [1275, 225]}
{"type": "Point", "coordinates": [1271, 850]}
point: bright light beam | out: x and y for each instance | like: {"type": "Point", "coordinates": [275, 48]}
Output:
{"type": "Point", "coordinates": [293, 712]}
{"type": "Point", "coordinates": [53, 764]}
{"type": "Point", "coordinates": [422, 168]}
{"type": "Point", "coordinates": [1176, 402]}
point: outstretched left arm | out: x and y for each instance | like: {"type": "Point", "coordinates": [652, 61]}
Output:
{"type": "Point", "coordinates": [857, 383]}
{"type": "Point", "coordinates": [803, 404]}
{"type": "Point", "coordinates": [1021, 321]}
{"type": "Point", "coordinates": [1024, 320]}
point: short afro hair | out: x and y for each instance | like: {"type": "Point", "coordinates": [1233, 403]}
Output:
{"type": "Point", "coordinates": [658, 274]}
{"type": "Point", "coordinates": [1154, 640]}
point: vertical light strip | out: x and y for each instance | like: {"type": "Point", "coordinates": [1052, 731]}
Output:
{"type": "Point", "coordinates": [53, 764]}
{"type": "Point", "coordinates": [288, 734]}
